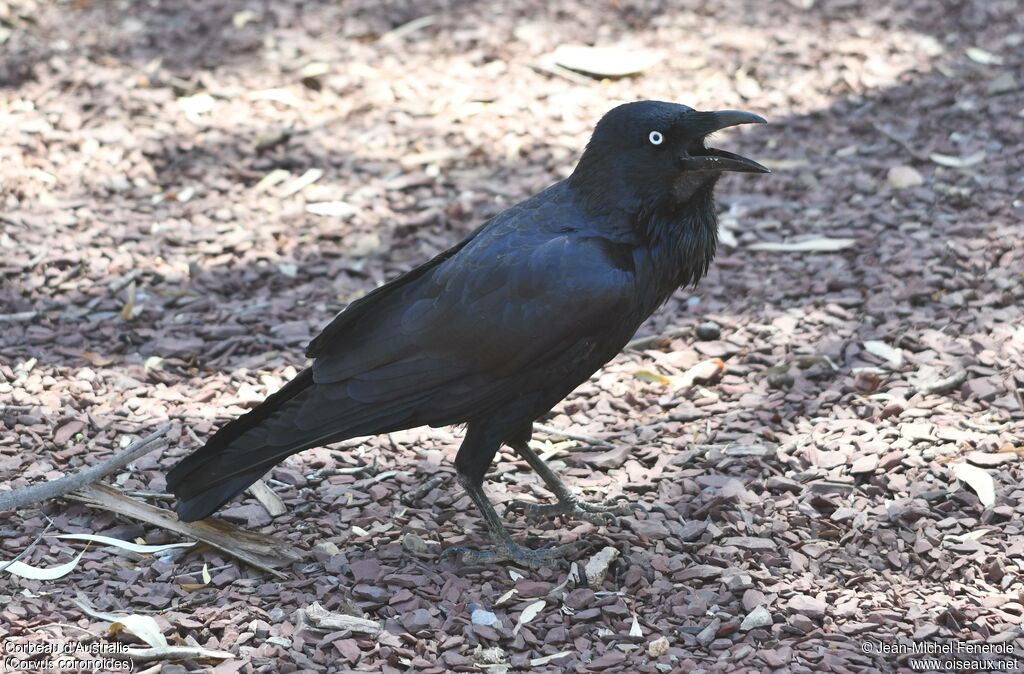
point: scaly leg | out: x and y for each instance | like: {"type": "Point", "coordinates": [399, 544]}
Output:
{"type": "Point", "coordinates": [505, 549]}
{"type": "Point", "coordinates": [568, 504]}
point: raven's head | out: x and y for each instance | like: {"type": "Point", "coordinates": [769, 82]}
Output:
{"type": "Point", "coordinates": [648, 154]}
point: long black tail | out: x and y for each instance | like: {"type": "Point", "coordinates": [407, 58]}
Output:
{"type": "Point", "coordinates": [299, 416]}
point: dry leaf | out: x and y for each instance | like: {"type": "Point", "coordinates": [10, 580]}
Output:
{"type": "Point", "coordinates": [282, 96]}
{"type": "Point", "coordinates": [275, 177]}
{"type": "Point", "coordinates": [653, 377]}
{"type": "Point", "coordinates": [142, 626]}
{"type": "Point", "coordinates": [702, 372]}
{"type": "Point", "coordinates": [240, 19]}
{"type": "Point", "coordinates": [301, 183]}
{"type": "Point", "coordinates": [268, 498]}
{"type": "Point", "coordinates": [983, 57]}
{"type": "Point", "coordinates": [605, 61]}
{"type": "Point", "coordinates": [505, 597]}
{"type": "Point", "coordinates": [822, 244]}
{"type": "Point", "coordinates": [128, 310]}
{"type": "Point", "coordinates": [38, 573]}
{"type": "Point", "coordinates": [902, 177]}
{"type": "Point", "coordinates": [537, 662]}
{"type": "Point", "coordinates": [978, 480]}
{"type": "Point", "coordinates": [195, 106]}
{"type": "Point", "coordinates": [528, 614]}
{"type": "Point", "coordinates": [957, 162]}
{"type": "Point", "coordinates": [334, 209]}
{"type": "Point", "coordinates": [884, 351]}
{"type": "Point", "coordinates": [124, 545]}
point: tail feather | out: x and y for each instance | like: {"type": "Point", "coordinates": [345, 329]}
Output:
{"type": "Point", "coordinates": [243, 450]}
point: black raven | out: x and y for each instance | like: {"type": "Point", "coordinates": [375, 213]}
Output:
{"type": "Point", "coordinates": [495, 331]}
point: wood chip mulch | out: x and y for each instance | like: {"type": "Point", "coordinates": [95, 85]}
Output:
{"type": "Point", "coordinates": [189, 191]}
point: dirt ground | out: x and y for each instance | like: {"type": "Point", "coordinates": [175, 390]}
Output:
{"type": "Point", "coordinates": [166, 255]}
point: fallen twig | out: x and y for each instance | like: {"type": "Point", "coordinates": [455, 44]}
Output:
{"type": "Point", "coordinates": [320, 618]}
{"type": "Point", "coordinates": [37, 493]}
{"type": "Point", "coordinates": [268, 498]}
{"type": "Point", "coordinates": [263, 552]}
{"type": "Point", "coordinates": [31, 545]}
{"type": "Point", "coordinates": [411, 497]}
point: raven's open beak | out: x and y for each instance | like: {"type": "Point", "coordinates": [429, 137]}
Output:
{"type": "Point", "coordinates": [712, 159]}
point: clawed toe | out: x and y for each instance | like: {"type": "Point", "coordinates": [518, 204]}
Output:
{"type": "Point", "coordinates": [511, 552]}
{"type": "Point", "coordinates": [601, 514]}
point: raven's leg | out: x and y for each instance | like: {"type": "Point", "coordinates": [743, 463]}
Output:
{"type": "Point", "coordinates": [474, 457]}
{"type": "Point", "coordinates": [568, 504]}
{"type": "Point", "coordinates": [504, 548]}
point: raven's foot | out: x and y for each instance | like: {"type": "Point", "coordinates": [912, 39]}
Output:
{"type": "Point", "coordinates": [606, 514]}
{"type": "Point", "coordinates": [511, 552]}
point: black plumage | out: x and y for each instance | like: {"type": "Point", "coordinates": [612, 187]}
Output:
{"type": "Point", "coordinates": [495, 331]}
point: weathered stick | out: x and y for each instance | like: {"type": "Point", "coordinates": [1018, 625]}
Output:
{"type": "Point", "coordinates": [23, 553]}
{"type": "Point", "coordinates": [258, 550]}
{"type": "Point", "coordinates": [37, 493]}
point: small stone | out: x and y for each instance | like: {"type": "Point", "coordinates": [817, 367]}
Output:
{"type": "Point", "coordinates": [738, 581]}
{"type": "Point", "coordinates": [658, 647]}
{"type": "Point", "coordinates": [486, 618]}
{"type": "Point", "coordinates": [702, 571]}
{"type": "Point", "coordinates": [750, 542]}
{"type": "Point", "coordinates": [328, 548]}
{"type": "Point", "coordinates": [776, 483]}
{"type": "Point", "coordinates": [417, 621]}
{"type": "Point", "coordinates": [597, 566]}
{"type": "Point", "coordinates": [918, 432]}
{"type": "Point", "coordinates": [808, 606]}
{"type": "Point", "coordinates": [414, 543]}
{"type": "Point", "coordinates": [981, 388]}
{"type": "Point", "coordinates": [692, 530]}
{"type": "Point", "coordinates": [707, 635]}
{"type": "Point", "coordinates": [802, 623]}
{"type": "Point", "coordinates": [708, 331]}
{"type": "Point", "coordinates": [759, 617]}
{"type": "Point", "coordinates": [843, 515]}
{"type": "Point", "coordinates": [779, 380]}
{"type": "Point", "coordinates": [990, 460]}
{"type": "Point", "coordinates": [773, 659]}
{"type": "Point", "coordinates": [752, 599]}
{"type": "Point", "coordinates": [902, 177]}
{"type": "Point", "coordinates": [1002, 84]}
{"type": "Point", "coordinates": [864, 464]}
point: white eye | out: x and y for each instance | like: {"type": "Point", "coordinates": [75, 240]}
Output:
{"type": "Point", "coordinates": [656, 138]}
